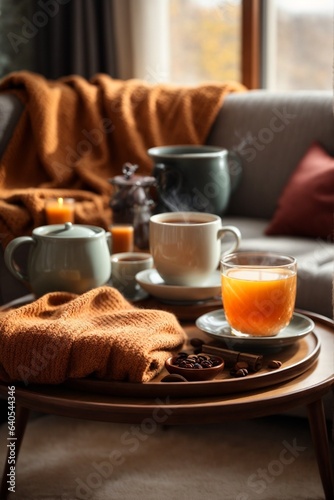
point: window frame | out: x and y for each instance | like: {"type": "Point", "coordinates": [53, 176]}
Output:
{"type": "Point", "coordinates": [251, 57]}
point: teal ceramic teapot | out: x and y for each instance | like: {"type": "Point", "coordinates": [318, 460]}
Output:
{"type": "Point", "coordinates": [63, 257]}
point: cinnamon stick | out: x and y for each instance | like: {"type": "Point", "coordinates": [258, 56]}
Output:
{"type": "Point", "coordinates": [231, 357]}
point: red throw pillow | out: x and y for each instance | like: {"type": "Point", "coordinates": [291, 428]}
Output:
{"type": "Point", "coordinates": [306, 205]}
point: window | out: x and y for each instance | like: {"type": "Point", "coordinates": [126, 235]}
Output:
{"type": "Point", "coordinates": [298, 44]}
{"type": "Point", "coordinates": [275, 44]}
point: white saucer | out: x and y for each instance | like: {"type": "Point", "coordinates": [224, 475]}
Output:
{"type": "Point", "coordinates": [215, 324]}
{"type": "Point", "coordinates": [151, 281]}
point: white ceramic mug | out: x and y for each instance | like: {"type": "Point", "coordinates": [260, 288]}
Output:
{"type": "Point", "coordinates": [124, 267]}
{"type": "Point", "coordinates": [186, 246]}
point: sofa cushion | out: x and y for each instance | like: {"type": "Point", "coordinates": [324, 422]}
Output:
{"type": "Point", "coordinates": [306, 206]}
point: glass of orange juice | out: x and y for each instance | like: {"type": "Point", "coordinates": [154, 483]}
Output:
{"type": "Point", "coordinates": [258, 292]}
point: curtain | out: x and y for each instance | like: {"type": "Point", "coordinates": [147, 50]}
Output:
{"type": "Point", "coordinates": [77, 39]}
{"type": "Point", "coordinates": [142, 39]}
{"type": "Point", "coordinates": [16, 50]}
{"type": "Point", "coordinates": [123, 38]}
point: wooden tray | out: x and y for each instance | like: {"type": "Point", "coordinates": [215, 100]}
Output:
{"type": "Point", "coordinates": [296, 359]}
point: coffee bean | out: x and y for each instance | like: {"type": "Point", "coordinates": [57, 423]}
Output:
{"type": "Point", "coordinates": [182, 354]}
{"type": "Point", "coordinates": [239, 369]}
{"type": "Point", "coordinates": [203, 356]}
{"type": "Point", "coordinates": [239, 365]}
{"type": "Point", "coordinates": [274, 364]}
{"type": "Point", "coordinates": [195, 361]}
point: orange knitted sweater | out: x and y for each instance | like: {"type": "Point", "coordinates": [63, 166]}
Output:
{"type": "Point", "coordinates": [98, 334]}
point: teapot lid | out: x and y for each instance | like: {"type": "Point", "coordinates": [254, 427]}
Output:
{"type": "Point", "coordinates": [130, 179]}
{"type": "Point", "coordinates": [68, 230]}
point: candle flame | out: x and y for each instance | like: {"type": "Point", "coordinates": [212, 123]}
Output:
{"type": "Point", "coordinates": [60, 202]}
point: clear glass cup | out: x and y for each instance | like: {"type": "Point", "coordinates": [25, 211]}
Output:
{"type": "Point", "coordinates": [258, 292]}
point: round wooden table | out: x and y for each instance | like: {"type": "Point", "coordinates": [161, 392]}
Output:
{"type": "Point", "coordinates": [304, 389]}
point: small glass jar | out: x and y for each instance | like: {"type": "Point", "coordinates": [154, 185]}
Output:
{"type": "Point", "coordinates": [132, 203]}
{"type": "Point", "coordinates": [141, 224]}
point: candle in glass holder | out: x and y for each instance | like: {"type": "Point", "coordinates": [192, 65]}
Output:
{"type": "Point", "coordinates": [122, 238]}
{"type": "Point", "coordinates": [60, 210]}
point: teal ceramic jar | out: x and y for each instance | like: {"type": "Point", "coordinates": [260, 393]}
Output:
{"type": "Point", "coordinates": [192, 178]}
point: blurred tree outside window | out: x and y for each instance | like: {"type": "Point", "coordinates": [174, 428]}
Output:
{"type": "Point", "coordinates": [298, 44]}
{"type": "Point", "coordinates": [205, 40]}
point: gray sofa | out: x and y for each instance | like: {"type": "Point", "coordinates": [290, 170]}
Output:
{"type": "Point", "coordinates": [270, 132]}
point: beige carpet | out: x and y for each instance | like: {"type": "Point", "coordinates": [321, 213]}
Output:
{"type": "Point", "coordinates": [68, 459]}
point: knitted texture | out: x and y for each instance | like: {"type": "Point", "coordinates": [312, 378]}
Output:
{"type": "Point", "coordinates": [76, 134]}
{"type": "Point", "coordinates": [62, 336]}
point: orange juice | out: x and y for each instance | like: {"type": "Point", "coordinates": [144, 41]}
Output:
{"type": "Point", "coordinates": [258, 301]}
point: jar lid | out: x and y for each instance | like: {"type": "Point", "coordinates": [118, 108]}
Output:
{"type": "Point", "coordinates": [136, 180]}
{"type": "Point", "coordinates": [129, 178]}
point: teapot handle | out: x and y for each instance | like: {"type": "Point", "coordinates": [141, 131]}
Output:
{"type": "Point", "coordinates": [10, 260]}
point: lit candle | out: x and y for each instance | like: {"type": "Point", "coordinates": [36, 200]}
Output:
{"type": "Point", "coordinates": [121, 238]}
{"type": "Point", "coordinates": [59, 210]}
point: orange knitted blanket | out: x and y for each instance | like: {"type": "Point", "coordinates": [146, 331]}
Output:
{"type": "Point", "coordinates": [75, 134]}
{"type": "Point", "coordinates": [62, 336]}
